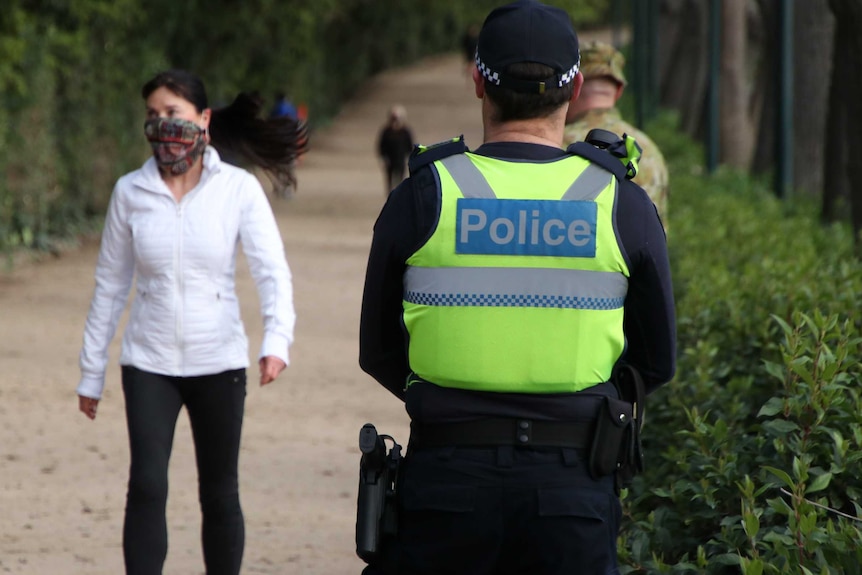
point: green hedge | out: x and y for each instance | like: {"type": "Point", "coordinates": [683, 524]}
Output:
{"type": "Point", "coordinates": [754, 451]}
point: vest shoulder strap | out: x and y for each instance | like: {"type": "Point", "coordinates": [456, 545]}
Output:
{"type": "Point", "coordinates": [618, 155]}
{"type": "Point", "coordinates": [424, 155]}
{"type": "Point", "coordinates": [600, 157]}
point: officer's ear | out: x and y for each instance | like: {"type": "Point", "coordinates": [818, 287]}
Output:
{"type": "Point", "coordinates": [577, 83]}
{"type": "Point", "coordinates": [619, 92]}
{"type": "Point", "coordinates": [479, 83]}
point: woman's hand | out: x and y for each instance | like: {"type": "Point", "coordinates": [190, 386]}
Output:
{"type": "Point", "coordinates": [88, 406]}
{"type": "Point", "coordinates": [270, 367]}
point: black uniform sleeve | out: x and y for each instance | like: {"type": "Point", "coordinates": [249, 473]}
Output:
{"type": "Point", "coordinates": [650, 317]}
{"type": "Point", "coordinates": [403, 224]}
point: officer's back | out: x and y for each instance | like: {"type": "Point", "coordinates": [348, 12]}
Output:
{"type": "Point", "coordinates": [505, 287]}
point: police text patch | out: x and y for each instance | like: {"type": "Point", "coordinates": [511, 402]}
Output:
{"type": "Point", "coordinates": [526, 227]}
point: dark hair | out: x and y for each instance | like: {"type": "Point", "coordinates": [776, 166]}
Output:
{"type": "Point", "coordinates": [239, 129]}
{"type": "Point", "coordinates": [182, 83]}
{"type": "Point", "coordinates": [511, 105]}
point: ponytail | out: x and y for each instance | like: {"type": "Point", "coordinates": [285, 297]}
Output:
{"type": "Point", "coordinates": [272, 144]}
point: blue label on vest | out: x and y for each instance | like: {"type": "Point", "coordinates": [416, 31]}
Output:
{"type": "Point", "coordinates": [526, 227]}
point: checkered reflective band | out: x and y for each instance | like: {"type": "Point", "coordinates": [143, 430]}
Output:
{"type": "Point", "coordinates": [512, 300]}
{"type": "Point", "coordinates": [515, 287]}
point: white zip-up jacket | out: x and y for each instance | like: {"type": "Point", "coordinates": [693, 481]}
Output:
{"type": "Point", "coordinates": [185, 318]}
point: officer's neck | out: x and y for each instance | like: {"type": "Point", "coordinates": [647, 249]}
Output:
{"type": "Point", "coordinates": [547, 131]}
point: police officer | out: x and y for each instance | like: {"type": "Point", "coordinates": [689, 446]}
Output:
{"type": "Point", "coordinates": [503, 287]}
{"type": "Point", "coordinates": [602, 67]}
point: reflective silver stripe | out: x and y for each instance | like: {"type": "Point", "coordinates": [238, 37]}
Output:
{"type": "Point", "coordinates": [589, 184]}
{"type": "Point", "coordinates": [473, 184]}
{"type": "Point", "coordinates": [467, 177]}
{"type": "Point", "coordinates": [515, 287]}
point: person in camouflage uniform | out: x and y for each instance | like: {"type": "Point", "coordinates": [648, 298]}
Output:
{"type": "Point", "coordinates": [602, 66]}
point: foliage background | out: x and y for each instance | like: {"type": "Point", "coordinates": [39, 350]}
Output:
{"type": "Point", "coordinates": [71, 73]}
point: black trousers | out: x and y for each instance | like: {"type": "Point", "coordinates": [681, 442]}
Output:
{"type": "Point", "coordinates": [215, 405]}
{"type": "Point", "coordinates": [502, 511]}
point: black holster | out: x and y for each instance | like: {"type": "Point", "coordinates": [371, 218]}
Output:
{"type": "Point", "coordinates": [376, 516]}
{"type": "Point", "coordinates": [616, 446]}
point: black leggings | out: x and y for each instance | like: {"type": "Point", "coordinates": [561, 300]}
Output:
{"type": "Point", "coordinates": [215, 404]}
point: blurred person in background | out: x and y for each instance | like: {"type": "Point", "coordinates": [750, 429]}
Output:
{"type": "Point", "coordinates": [468, 48]}
{"type": "Point", "coordinates": [283, 107]}
{"type": "Point", "coordinates": [394, 144]}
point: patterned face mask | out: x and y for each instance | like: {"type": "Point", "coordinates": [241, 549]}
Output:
{"type": "Point", "coordinates": [176, 143]}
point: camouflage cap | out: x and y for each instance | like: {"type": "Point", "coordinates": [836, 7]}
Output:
{"type": "Point", "coordinates": [600, 59]}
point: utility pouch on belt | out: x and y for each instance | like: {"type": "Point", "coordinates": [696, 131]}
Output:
{"type": "Point", "coordinates": [609, 442]}
{"type": "Point", "coordinates": [375, 504]}
{"type": "Point", "coordinates": [630, 386]}
{"type": "Point", "coordinates": [617, 443]}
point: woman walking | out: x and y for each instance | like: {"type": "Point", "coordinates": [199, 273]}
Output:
{"type": "Point", "coordinates": [174, 226]}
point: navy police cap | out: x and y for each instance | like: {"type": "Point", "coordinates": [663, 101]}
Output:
{"type": "Point", "coordinates": [528, 31]}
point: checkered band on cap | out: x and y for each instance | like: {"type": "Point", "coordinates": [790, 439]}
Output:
{"type": "Point", "coordinates": [494, 77]}
{"type": "Point", "coordinates": [570, 75]}
{"type": "Point", "coordinates": [489, 75]}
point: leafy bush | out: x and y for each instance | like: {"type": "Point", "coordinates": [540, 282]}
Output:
{"type": "Point", "coordinates": [755, 449]}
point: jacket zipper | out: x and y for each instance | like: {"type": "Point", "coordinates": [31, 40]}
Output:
{"type": "Point", "coordinates": [178, 273]}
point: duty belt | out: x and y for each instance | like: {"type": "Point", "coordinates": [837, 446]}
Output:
{"type": "Point", "coordinates": [493, 432]}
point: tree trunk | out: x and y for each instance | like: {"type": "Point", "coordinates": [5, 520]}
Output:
{"type": "Point", "coordinates": [813, 37]}
{"type": "Point", "coordinates": [683, 47]}
{"type": "Point", "coordinates": [735, 130]}
{"type": "Point", "coordinates": [836, 184]}
{"type": "Point", "coordinates": [765, 80]}
{"type": "Point", "coordinates": [813, 32]}
{"type": "Point", "coordinates": [846, 99]}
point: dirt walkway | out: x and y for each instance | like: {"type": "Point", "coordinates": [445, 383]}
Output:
{"type": "Point", "coordinates": [62, 477]}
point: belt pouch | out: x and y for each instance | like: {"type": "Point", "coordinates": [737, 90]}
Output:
{"type": "Point", "coordinates": [612, 425]}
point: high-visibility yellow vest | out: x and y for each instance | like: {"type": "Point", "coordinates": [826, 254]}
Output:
{"type": "Point", "coordinates": [520, 287]}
